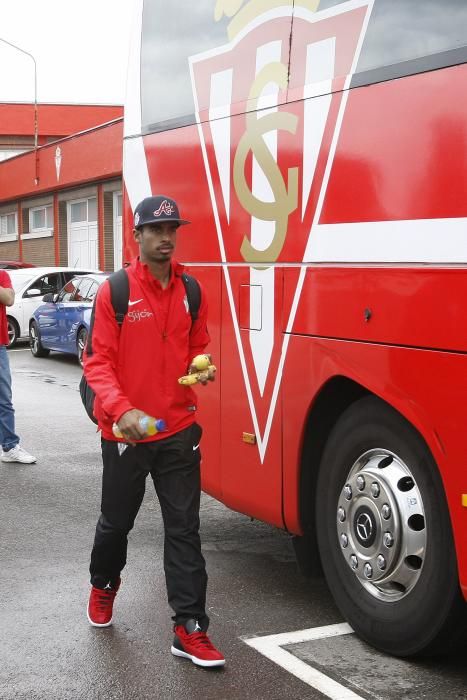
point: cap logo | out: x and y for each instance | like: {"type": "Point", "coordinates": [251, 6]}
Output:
{"type": "Point", "coordinates": [136, 219]}
{"type": "Point", "coordinates": [165, 208]}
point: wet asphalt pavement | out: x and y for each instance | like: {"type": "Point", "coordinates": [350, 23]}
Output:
{"type": "Point", "coordinates": [48, 651]}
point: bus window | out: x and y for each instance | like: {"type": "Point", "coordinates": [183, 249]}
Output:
{"type": "Point", "coordinates": [403, 38]}
{"type": "Point", "coordinates": [173, 31]}
{"type": "Point", "coordinates": [176, 34]}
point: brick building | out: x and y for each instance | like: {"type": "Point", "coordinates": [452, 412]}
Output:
{"type": "Point", "coordinates": [62, 203]}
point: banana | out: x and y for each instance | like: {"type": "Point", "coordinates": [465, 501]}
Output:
{"type": "Point", "coordinates": [188, 379]}
{"type": "Point", "coordinates": [195, 377]}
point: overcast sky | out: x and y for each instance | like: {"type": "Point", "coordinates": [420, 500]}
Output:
{"type": "Point", "coordinates": [81, 50]}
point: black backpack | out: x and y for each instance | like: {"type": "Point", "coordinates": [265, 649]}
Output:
{"type": "Point", "coordinates": [119, 295]}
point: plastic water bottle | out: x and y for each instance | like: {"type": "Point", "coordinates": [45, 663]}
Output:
{"type": "Point", "coordinates": [150, 425]}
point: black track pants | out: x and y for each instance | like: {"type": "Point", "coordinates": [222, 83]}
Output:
{"type": "Point", "coordinates": [174, 467]}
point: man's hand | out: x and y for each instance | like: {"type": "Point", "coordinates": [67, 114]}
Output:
{"type": "Point", "coordinates": [130, 427]}
{"type": "Point", "coordinates": [208, 375]}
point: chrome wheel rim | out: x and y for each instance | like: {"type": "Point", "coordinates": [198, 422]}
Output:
{"type": "Point", "coordinates": [81, 345]}
{"type": "Point", "coordinates": [33, 339]}
{"type": "Point", "coordinates": [381, 525]}
{"type": "Point", "coordinates": [11, 333]}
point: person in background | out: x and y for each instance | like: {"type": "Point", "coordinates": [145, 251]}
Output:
{"type": "Point", "coordinates": [134, 372]}
{"type": "Point", "coordinates": [11, 449]}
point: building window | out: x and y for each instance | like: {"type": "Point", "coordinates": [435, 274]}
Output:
{"type": "Point", "coordinates": [41, 219]}
{"type": "Point", "coordinates": [78, 212]}
{"type": "Point", "coordinates": [84, 210]}
{"type": "Point", "coordinates": [41, 222]}
{"type": "Point", "coordinates": [92, 209]}
{"type": "Point", "coordinates": [8, 226]}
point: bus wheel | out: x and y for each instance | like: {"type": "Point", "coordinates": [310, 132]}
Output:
{"type": "Point", "coordinates": [384, 534]}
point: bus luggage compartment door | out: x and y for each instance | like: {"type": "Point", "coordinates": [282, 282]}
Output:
{"type": "Point", "coordinates": [251, 408]}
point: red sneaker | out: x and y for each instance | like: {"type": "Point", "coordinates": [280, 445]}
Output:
{"type": "Point", "coordinates": [100, 605]}
{"type": "Point", "coordinates": [191, 643]}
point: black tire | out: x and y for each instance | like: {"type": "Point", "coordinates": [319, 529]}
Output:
{"type": "Point", "coordinates": [35, 344]}
{"type": "Point", "coordinates": [13, 331]}
{"type": "Point", "coordinates": [412, 604]}
{"type": "Point", "coordinates": [81, 341]}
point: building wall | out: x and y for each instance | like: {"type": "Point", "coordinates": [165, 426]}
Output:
{"type": "Point", "coordinates": [88, 157]}
{"type": "Point", "coordinates": [75, 168]}
{"type": "Point", "coordinates": [39, 251]}
{"type": "Point", "coordinates": [9, 250]}
{"type": "Point", "coordinates": [53, 119]}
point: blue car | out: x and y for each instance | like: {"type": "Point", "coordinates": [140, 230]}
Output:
{"type": "Point", "coordinates": [61, 323]}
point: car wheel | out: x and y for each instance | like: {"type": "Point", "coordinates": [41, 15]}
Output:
{"type": "Point", "coordinates": [13, 332]}
{"type": "Point", "coordinates": [35, 344]}
{"type": "Point", "coordinates": [384, 534]}
{"type": "Point", "coordinates": [81, 343]}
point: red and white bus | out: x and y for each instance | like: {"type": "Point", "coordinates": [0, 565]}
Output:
{"type": "Point", "coordinates": [320, 150]}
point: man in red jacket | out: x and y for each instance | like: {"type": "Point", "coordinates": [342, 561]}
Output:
{"type": "Point", "coordinates": [11, 449]}
{"type": "Point", "coordinates": [134, 371]}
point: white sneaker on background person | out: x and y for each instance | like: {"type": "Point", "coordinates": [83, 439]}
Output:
{"type": "Point", "coordinates": [17, 454]}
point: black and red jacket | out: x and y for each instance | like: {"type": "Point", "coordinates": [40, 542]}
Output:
{"type": "Point", "coordinates": [137, 365]}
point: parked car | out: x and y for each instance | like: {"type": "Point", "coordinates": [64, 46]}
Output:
{"type": "Point", "coordinates": [30, 285]}
{"type": "Point", "coordinates": [61, 322]}
{"type": "Point", "coordinates": [13, 264]}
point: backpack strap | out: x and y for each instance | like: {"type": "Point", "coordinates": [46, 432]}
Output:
{"type": "Point", "coordinates": [193, 295]}
{"type": "Point", "coordinates": [119, 293]}
{"type": "Point", "coordinates": [119, 296]}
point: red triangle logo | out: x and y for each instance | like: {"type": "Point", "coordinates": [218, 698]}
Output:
{"type": "Point", "coordinates": [268, 123]}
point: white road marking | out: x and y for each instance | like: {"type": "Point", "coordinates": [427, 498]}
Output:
{"type": "Point", "coordinates": [271, 647]}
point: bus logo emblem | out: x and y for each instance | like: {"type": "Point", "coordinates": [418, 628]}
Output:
{"type": "Point", "coordinates": [269, 111]}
